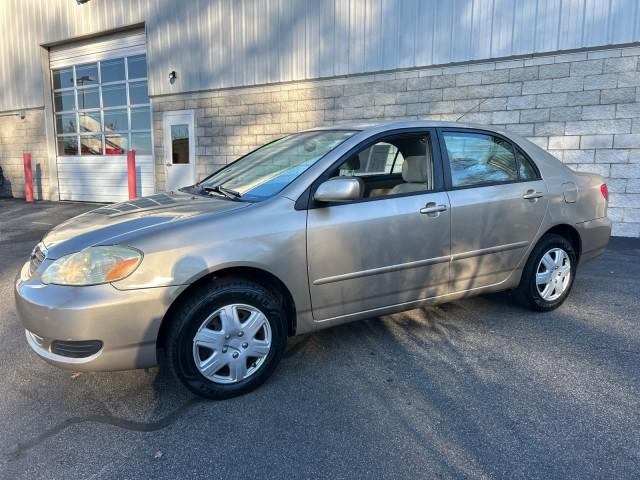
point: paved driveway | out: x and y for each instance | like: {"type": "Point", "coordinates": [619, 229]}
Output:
{"type": "Point", "coordinates": [478, 388]}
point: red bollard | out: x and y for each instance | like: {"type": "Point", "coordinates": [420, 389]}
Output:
{"type": "Point", "coordinates": [131, 167]}
{"type": "Point", "coordinates": [28, 177]}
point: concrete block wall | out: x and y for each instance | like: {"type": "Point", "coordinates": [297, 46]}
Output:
{"type": "Point", "coordinates": [19, 135]}
{"type": "Point", "coordinates": [583, 107]}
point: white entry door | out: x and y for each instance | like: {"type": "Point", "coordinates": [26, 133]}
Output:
{"type": "Point", "coordinates": [179, 148]}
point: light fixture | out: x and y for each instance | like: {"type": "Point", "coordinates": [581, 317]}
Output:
{"type": "Point", "coordinates": [172, 76]}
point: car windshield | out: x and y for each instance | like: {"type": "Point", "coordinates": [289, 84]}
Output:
{"type": "Point", "coordinates": [266, 171]}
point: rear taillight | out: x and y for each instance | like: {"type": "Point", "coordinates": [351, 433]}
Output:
{"type": "Point", "coordinates": [605, 191]}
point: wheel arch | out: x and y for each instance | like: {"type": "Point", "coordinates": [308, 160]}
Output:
{"type": "Point", "coordinates": [255, 274]}
{"type": "Point", "coordinates": [571, 234]}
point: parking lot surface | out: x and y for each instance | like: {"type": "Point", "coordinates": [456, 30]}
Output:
{"type": "Point", "coordinates": [477, 388]}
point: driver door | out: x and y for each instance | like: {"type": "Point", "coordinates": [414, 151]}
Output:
{"type": "Point", "coordinates": [388, 248]}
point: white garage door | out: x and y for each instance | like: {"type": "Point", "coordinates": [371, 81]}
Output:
{"type": "Point", "coordinates": [101, 108]}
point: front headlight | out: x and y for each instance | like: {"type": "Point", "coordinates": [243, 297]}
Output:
{"type": "Point", "coordinates": [93, 265]}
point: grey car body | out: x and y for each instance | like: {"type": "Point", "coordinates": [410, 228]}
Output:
{"type": "Point", "coordinates": [333, 262]}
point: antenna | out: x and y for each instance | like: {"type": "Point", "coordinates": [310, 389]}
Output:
{"type": "Point", "coordinates": [471, 109]}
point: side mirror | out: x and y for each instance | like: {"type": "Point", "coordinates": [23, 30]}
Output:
{"type": "Point", "coordinates": [339, 190]}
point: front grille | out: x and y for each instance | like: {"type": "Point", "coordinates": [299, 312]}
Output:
{"type": "Point", "coordinates": [37, 257]}
{"type": "Point", "coordinates": [79, 349]}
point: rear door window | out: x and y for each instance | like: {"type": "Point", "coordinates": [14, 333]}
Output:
{"type": "Point", "coordinates": [479, 158]}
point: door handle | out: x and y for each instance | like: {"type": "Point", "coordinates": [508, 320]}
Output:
{"type": "Point", "coordinates": [532, 195]}
{"type": "Point", "coordinates": [432, 209]}
{"type": "Point", "coordinates": [168, 164]}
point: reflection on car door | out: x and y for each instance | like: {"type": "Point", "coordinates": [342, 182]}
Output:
{"type": "Point", "coordinates": [491, 225]}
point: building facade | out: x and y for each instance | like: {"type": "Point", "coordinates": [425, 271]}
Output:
{"type": "Point", "coordinates": [192, 85]}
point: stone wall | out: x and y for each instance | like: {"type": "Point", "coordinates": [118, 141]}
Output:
{"type": "Point", "coordinates": [19, 135]}
{"type": "Point", "coordinates": [582, 107]}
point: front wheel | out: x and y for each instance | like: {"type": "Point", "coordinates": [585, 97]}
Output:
{"type": "Point", "coordinates": [548, 275]}
{"type": "Point", "coordinates": [227, 338]}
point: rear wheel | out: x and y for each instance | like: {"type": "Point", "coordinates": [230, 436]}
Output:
{"type": "Point", "coordinates": [548, 276]}
{"type": "Point", "coordinates": [227, 339]}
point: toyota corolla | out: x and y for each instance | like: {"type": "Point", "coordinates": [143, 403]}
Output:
{"type": "Point", "coordinates": [315, 229]}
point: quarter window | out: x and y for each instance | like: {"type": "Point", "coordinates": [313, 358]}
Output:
{"type": "Point", "coordinates": [477, 159]}
{"type": "Point", "coordinates": [93, 107]}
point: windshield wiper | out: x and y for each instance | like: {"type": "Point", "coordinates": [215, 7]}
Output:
{"type": "Point", "coordinates": [227, 192]}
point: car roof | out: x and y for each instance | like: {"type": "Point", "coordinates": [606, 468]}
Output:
{"type": "Point", "coordinates": [392, 125]}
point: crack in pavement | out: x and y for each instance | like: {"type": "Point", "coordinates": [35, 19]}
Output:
{"type": "Point", "coordinates": [131, 425]}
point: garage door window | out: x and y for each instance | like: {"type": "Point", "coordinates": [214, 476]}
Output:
{"type": "Point", "coordinates": [102, 108]}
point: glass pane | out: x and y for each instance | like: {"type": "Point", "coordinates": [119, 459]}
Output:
{"type": "Point", "coordinates": [88, 98]}
{"type": "Point", "coordinates": [114, 95]}
{"type": "Point", "coordinates": [87, 74]}
{"type": "Point", "coordinates": [138, 93]}
{"type": "Point", "coordinates": [115, 120]}
{"type": "Point", "coordinates": [63, 78]}
{"type": "Point", "coordinates": [527, 172]}
{"type": "Point", "coordinates": [112, 70]}
{"type": "Point", "coordinates": [140, 118]}
{"type": "Point", "coordinates": [477, 159]}
{"type": "Point", "coordinates": [267, 170]}
{"type": "Point", "coordinates": [141, 143]}
{"type": "Point", "coordinates": [66, 123]}
{"type": "Point", "coordinates": [91, 145]}
{"type": "Point", "coordinates": [63, 101]}
{"type": "Point", "coordinates": [90, 122]}
{"type": "Point", "coordinates": [180, 143]}
{"type": "Point", "coordinates": [115, 144]}
{"type": "Point", "coordinates": [137, 66]}
{"type": "Point", "coordinates": [68, 145]}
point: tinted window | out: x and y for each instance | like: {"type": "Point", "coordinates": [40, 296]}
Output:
{"type": "Point", "coordinates": [525, 168]}
{"type": "Point", "coordinates": [476, 159]}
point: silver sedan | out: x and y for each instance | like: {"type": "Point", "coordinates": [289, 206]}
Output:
{"type": "Point", "coordinates": [315, 229]}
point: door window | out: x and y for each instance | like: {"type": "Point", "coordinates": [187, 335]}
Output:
{"type": "Point", "coordinates": [478, 158]}
{"type": "Point", "coordinates": [396, 164]}
{"type": "Point", "coordinates": [96, 98]}
{"type": "Point", "coordinates": [180, 144]}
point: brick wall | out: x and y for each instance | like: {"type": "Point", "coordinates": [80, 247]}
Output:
{"type": "Point", "coordinates": [583, 107]}
{"type": "Point", "coordinates": [23, 135]}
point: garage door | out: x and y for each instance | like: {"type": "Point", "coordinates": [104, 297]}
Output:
{"type": "Point", "coordinates": [101, 107]}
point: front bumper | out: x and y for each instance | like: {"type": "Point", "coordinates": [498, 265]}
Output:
{"type": "Point", "coordinates": [125, 321]}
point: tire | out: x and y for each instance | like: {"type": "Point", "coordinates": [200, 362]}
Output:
{"type": "Point", "coordinates": [536, 294]}
{"type": "Point", "coordinates": [211, 364]}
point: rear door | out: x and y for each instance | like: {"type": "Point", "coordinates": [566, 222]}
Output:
{"type": "Point", "coordinates": [498, 202]}
{"type": "Point", "coordinates": [382, 250]}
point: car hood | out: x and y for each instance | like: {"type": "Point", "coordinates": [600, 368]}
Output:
{"type": "Point", "coordinates": [104, 225]}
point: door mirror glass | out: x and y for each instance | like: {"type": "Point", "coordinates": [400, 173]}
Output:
{"type": "Point", "coordinates": [339, 190]}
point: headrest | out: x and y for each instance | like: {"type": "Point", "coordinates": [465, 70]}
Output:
{"type": "Point", "coordinates": [414, 169]}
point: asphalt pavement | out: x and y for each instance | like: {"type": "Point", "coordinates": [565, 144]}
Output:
{"type": "Point", "coordinates": [477, 388]}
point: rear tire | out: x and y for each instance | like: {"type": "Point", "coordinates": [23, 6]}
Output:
{"type": "Point", "coordinates": [548, 275]}
{"type": "Point", "coordinates": [227, 338]}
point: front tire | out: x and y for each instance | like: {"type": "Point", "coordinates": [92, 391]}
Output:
{"type": "Point", "coordinates": [548, 275]}
{"type": "Point", "coordinates": [227, 338]}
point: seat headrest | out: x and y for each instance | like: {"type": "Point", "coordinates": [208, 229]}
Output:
{"type": "Point", "coordinates": [414, 169]}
